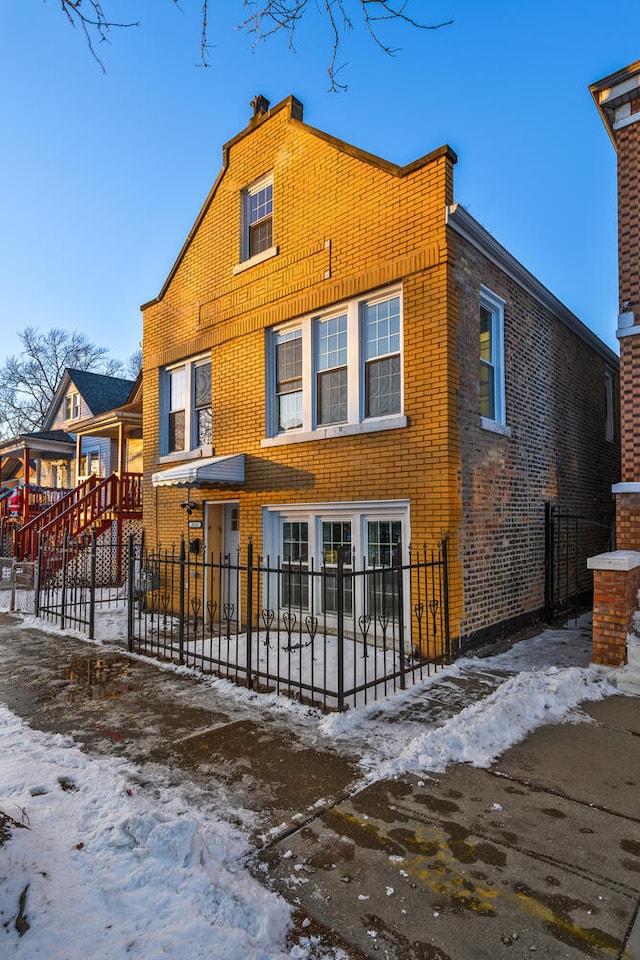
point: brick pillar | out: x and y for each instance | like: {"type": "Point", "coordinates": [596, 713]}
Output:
{"type": "Point", "coordinates": [616, 581]}
{"type": "Point", "coordinates": [627, 516]}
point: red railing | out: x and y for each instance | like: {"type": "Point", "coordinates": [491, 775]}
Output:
{"type": "Point", "coordinates": [94, 504]}
{"type": "Point", "coordinates": [27, 535]}
{"type": "Point", "coordinates": [34, 500]}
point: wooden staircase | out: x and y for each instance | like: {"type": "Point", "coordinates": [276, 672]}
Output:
{"type": "Point", "coordinates": [94, 504]}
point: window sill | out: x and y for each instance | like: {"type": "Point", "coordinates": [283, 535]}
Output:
{"type": "Point", "coordinates": [494, 427]}
{"type": "Point", "coordinates": [254, 261]}
{"type": "Point", "coordinates": [180, 455]}
{"type": "Point", "coordinates": [336, 430]}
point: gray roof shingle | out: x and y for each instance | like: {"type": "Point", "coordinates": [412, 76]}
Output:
{"type": "Point", "coordinates": [100, 392]}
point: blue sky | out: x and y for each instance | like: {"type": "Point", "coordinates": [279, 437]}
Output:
{"type": "Point", "coordinates": [103, 174]}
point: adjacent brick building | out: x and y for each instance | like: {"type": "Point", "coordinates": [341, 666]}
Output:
{"type": "Point", "coordinates": [342, 356]}
{"type": "Point", "coordinates": [618, 575]}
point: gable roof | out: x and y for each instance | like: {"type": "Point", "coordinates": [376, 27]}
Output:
{"type": "Point", "coordinates": [294, 109]}
{"type": "Point", "coordinates": [100, 392]}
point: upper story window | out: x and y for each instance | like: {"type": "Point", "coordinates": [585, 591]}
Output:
{"type": "Point", "coordinates": [337, 372]}
{"type": "Point", "coordinates": [258, 218]}
{"type": "Point", "coordinates": [185, 405]}
{"type": "Point", "coordinates": [381, 333]}
{"type": "Point", "coordinates": [72, 406]}
{"type": "Point", "coordinates": [288, 381]}
{"type": "Point", "coordinates": [492, 402]}
{"type": "Point", "coordinates": [331, 355]}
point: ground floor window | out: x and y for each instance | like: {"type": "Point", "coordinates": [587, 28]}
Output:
{"type": "Point", "coordinates": [366, 537]}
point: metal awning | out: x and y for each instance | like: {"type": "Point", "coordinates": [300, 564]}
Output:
{"type": "Point", "coordinates": [202, 473]}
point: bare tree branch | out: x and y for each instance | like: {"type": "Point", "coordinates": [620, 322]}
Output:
{"type": "Point", "coordinates": [90, 17]}
{"type": "Point", "coordinates": [266, 18]}
{"type": "Point", "coordinates": [28, 382]}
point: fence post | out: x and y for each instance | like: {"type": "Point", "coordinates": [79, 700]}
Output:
{"type": "Point", "coordinates": [37, 579]}
{"type": "Point", "coordinates": [131, 560]}
{"type": "Point", "coordinates": [400, 585]}
{"type": "Point", "coordinates": [249, 611]}
{"type": "Point", "coordinates": [181, 603]}
{"type": "Point", "coordinates": [12, 604]}
{"type": "Point", "coordinates": [63, 598]}
{"type": "Point", "coordinates": [92, 585]}
{"type": "Point", "coordinates": [340, 624]}
{"type": "Point", "coordinates": [445, 587]}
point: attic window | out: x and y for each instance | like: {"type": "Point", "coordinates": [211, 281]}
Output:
{"type": "Point", "coordinates": [258, 218]}
{"type": "Point", "coordinates": [72, 406]}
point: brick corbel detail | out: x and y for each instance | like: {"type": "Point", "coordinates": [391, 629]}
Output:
{"type": "Point", "coordinates": [616, 580]}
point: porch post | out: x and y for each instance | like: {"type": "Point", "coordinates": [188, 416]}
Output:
{"type": "Point", "coordinates": [78, 452]}
{"type": "Point", "coordinates": [27, 479]}
{"type": "Point", "coordinates": [121, 464]}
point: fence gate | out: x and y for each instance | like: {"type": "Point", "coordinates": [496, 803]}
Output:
{"type": "Point", "coordinates": [17, 585]}
{"type": "Point", "coordinates": [570, 538]}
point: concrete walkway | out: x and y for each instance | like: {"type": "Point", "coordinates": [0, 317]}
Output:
{"type": "Point", "coordinates": [537, 856]}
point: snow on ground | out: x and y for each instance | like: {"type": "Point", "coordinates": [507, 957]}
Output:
{"type": "Point", "coordinates": [114, 867]}
{"type": "Point", "coordinates": [118, 866]}
{"type": "Point", "coordinates": [484, 730]}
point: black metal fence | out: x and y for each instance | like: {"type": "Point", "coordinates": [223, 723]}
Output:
{"type": "Point", "coordinates": [571, 537]}
{"type": "Point", "coordinates": [17, 585]}
{"type": "Point", "coordinates": [82, 574]}
{"type": "Point", "coordinates": [336, 636]}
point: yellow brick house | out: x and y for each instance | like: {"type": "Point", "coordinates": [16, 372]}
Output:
{"type": "Point", "coordinates": [341, 357]}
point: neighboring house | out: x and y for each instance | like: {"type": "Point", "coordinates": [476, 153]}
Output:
{"type": "Point", "coordinates": [111, 439]}
{"type": "Point", "coordinates": [80, 400]}
{"type": "Point", "coordinates": [93, 429]}
{"type": "Point", "coordinates": [617, 575]}
{"type": "Point", "coordinates": [342, 356]}
{"type": "Point", "coordinates": [54, 456]}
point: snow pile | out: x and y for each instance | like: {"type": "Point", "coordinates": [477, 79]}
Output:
{"type": "Point", "coordinates": [115, 868]}
{"type": "Point", "coordinates": [484, 730]}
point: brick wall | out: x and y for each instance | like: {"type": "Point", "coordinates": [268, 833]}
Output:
{"type": "Point", "coordinates": [345, 224]}
{"type": "Point", "coordinates": [555, 449]}
{"type": "Point", "coordinates": [628, 147]}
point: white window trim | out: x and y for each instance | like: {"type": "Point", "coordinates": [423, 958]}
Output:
{"type": "Point", "coordinates": [248, 191]}
{"type": "Point", "coordinates": [191, 451]}
{"type": "Point", "coordinates": [495, 305]}
{"type": "Point", "coordinates": [254, 261]}
{"type": "Point", "coordinates": [356, 422]}
{"type": "Point", "coordinates": [359, 513]}
{"type": "Point", "coordinates": [74, 405]}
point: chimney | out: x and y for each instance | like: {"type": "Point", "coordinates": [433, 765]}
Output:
{"type": "Point", "coordinates": [260, 106]}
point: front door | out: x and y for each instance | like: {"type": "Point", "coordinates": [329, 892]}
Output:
{"type": "Point", "coordinates": [222, 544]}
